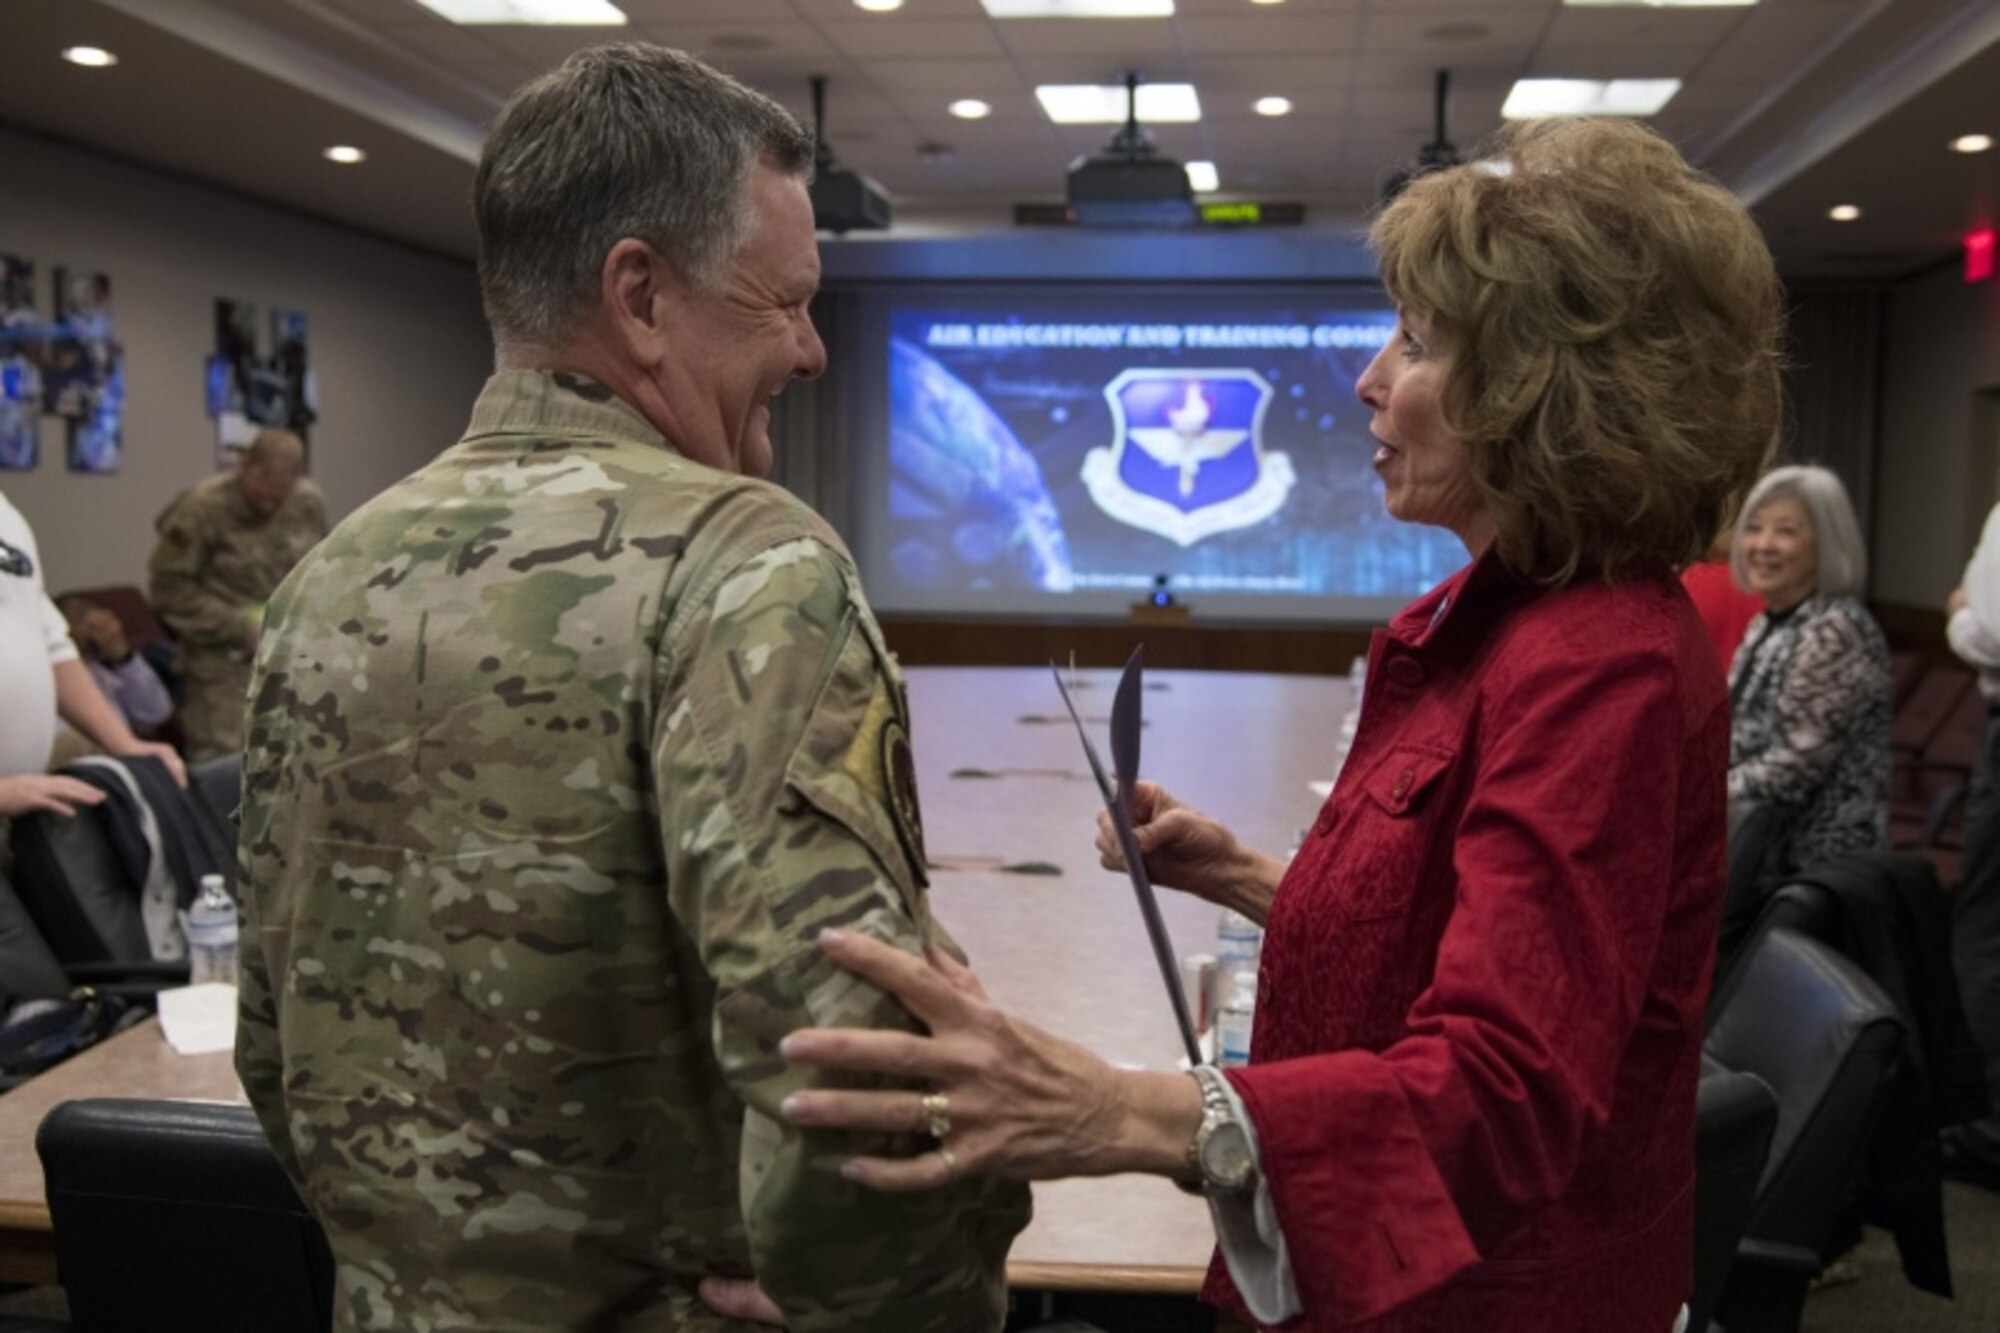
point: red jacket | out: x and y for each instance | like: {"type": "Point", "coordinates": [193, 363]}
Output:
{"type": "Point", "coordinates": [1479, 1012]}
{"type": "Point", "coordinates": [1724, 608]}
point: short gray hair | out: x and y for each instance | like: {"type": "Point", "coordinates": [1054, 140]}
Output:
{"type": "Point", "coordinates": [618, 141]}
{"type": "Point", "coordinates": [1843, 556]}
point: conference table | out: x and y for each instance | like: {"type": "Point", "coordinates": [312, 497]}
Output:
{"type": "Point", "coordinates": [1007, 798]}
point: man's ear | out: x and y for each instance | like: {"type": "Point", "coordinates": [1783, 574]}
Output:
{"type": "Point", "coordinates": [639, 290]}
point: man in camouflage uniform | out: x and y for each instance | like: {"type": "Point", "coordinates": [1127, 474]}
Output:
{"type": "Point", "coordinates": [224, 545]}
{"type": "Point", "coordinates": [563, 751]}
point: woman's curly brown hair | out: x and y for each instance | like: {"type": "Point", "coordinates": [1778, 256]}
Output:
{"type": "Point", "coordinates": [1612, 321]}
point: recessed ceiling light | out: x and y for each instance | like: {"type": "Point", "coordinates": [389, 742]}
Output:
{"type": "Point", "coordinates": [1267, 2]}
{"type": "Point", "coordinates": [345, 154]}
{"type": "Point", "coordinates": [90, 57]}
{"type": "Point", "coordinates": [1272, 106]}
{"type": "Point", "coordinates": [1078, 9]}
{"type": "Point", "coordinates": [544, 13]}
{"type": "Point", "coordinates": [1104, 103]}
{"type": "Point", "coordinates": [1972, 143]}
{"type": "Point", "coordinates": [1201, 175]}
{"type": "Point", "coordinates": [1843, 212]}
{"type": "Point", "coordinates": [879, 6]}
{"type": "Point", "coordinates": [970, 108]}
{"type": "Point", "coordinates": [1533, 98]}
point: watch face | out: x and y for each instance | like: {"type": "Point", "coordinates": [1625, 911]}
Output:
{"type": "Point", "coordinates": [1225, 1157]}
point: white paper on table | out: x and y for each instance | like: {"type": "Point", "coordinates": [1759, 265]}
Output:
{"type": "Point", "coordinates": [199, 1019]}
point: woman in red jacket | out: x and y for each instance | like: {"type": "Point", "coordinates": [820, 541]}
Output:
{"type": "Point", "coordinates": [1470, 1102]}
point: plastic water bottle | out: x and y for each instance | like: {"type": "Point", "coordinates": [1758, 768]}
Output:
{"type": "Point", "coordinates": [211, 934]}
{"type": "Point", "coordinates": [1238, 943]}
{"type": "Point", "coordinates": [1238, 1017]}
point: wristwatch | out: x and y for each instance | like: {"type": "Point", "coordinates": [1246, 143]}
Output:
{"type": "Point", "coordinates": [1220, 1149]}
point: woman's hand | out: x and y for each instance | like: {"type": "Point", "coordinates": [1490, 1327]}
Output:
{"type": "Point", "coordinates": [1020, 1103]}
{"type": "Point", "coordinates": [740, 1298]}
{"type": "Point", "coordinates": [56, 793]}
{"type": "Point", "coordinates": [1190, 851]}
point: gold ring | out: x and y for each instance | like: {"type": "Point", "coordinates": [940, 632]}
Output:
{"type": "Point", "coordinates": [937, 1114]}
{"type": "Point", "coordinates": [950, 1162]}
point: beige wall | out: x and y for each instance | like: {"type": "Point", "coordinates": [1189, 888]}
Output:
{"type": "Point", "coordinates": [1938, 454]}
{"type": "Point", "coordinates": [397, 341]}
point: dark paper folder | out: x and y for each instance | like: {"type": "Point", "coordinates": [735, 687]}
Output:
{"type": "Point", "coordinates": [1125, 726]}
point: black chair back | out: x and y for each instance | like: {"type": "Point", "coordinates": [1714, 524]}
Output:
{"type": "Point", "coordinates": [175, 1217]}
{"type": "Point", "coordinates": [77, 888]}
{"type": "Point", "coordinates": [1814, 1027]}
{"type": "Point", "coordinates": [28, 969]}
{"type": "Point", "coordinates": [1735, 1116]}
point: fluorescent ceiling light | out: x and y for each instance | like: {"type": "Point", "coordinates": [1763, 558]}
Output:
{"type": "Point", "coordinates": [90, 57]}
{"type": "Point", "coordinates": [970, 108]}
{"type": "Point", "coordinates": [1532, 98]}
{"type": "Point", "coordinates": [550, 13]}
{"type": "Point", "coordinates": [1104, 103]}
{"type": "Point", "coordinates": [1659, 4]}
{"type": "Point", "coordinates": [879, 6]}
{"type": "Point", "coordinates": [1843, 212]}
{"type": "Point", "coordinates": [1972, 143]}
{"type": "Point", "coordinates": [1078, 9]}
{"type": "Point", "coordinates": [1272, 106]}
{"type": "Point", "coordinates": [1202, 178]}
{"type": "Point", "coordinates": [346, 155]}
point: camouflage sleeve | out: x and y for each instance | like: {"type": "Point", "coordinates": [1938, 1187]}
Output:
{"type": "Point", "coordinates": [787, 806]}
{"type": "Point", "coordinates": [259, 1062]}
{"type": "Point", "coordinates": [180, 558]}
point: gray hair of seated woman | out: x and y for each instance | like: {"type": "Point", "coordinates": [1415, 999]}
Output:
{"type": "Point", "coordinates": [1843, 556]}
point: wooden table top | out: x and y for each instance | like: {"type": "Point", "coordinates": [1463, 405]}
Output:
{"type": "Point", "coordinates": [1067, 952]}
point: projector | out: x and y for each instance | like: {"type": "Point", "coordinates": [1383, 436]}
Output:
{"type": "Point", "coordinates": [845, 200]}
{"type": "Point", "coordinates": [1121, 189]}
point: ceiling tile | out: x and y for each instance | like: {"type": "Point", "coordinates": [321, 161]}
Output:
{"type": "Point", "coordinates": [951, 39]}
{"type": "Point", "coordinates": [1271, 31]}
{"type": "Point", "coordinates": [1123, 43]}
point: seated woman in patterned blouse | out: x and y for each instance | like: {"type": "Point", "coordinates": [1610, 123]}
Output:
{"type": "Point", "coordinates": [1809, 688]}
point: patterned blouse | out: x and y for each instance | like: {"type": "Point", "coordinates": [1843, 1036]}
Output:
{"type": "Point", "coordinates": [1810, 731]}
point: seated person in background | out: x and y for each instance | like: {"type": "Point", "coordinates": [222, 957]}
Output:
{"type": "Point", "coordinates": [40, 677]}
{"type": "Point", "coordinates": [126, 679]}
{"type": "Point", "coordinates": [224, 545]}
{"type": "Point", "coordinates": [1809, 688]}
{"type": "Point", "coordinates": [1725, 609]}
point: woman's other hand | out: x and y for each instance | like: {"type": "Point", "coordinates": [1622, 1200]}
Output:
{"type": "Point", "coordinates": [1020, 1103]}
{"type": "Point", "coordinates": [1187, 850]}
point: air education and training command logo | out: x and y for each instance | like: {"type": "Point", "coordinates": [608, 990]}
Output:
{"type": "Point", "coordinates": [1188, 461]}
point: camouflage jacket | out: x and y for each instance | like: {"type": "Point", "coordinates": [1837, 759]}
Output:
{"type": "Point", "coordinates": [216, 559]}
{"type": "Point", "coordinates": [561, 752]}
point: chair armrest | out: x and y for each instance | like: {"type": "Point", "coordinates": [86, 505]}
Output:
{"type": "Point", "coordinates": [143, 969]}
{"type": "Point", "coordinates": [1939, 813]}
{"type": "Point", "coordinates": [1778, 1254]}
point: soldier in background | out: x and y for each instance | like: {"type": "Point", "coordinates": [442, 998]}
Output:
{"type": "Point", "coordinates": [224, 545]}
{"type": "Point", "coordinates": [561, 754]}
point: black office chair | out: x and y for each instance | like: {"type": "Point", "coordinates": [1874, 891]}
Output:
{"type": "Point", "coordinates": [145, 1194]}
{"type": "Point", "coordinates": [218, 784]}
{"type": "Point", "coordinates": [1735, 1116]}
{"type": "Point", "coordinates": [1753, 833]}
{"type": "Point", "coordinates": [1828, 1042]}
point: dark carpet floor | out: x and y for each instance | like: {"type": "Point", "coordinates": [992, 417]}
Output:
{"type": "Point", "coordinates": [1882, 1302]}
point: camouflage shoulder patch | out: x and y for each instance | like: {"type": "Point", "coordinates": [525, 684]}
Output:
{"type": "Point", "coordinates": [899, 782]}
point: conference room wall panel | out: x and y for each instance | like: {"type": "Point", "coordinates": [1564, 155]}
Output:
{"type": "Point", "coordinates": [1938, 454]}
{"type": "Point", "coordinates": [396, 340]}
